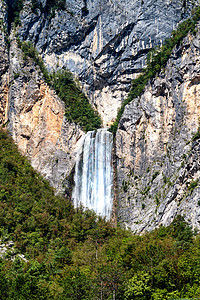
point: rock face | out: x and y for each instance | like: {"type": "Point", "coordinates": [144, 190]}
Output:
{"type": "Point", "coordinates": [4, 64]}
{"type": "Point", "coordinates": [103, 42]}
{"type": "Point", "coordinates": [37, 122]}
{"type": "Point", "coordinates": [158, 155]}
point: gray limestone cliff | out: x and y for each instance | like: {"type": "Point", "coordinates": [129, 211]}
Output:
{"type": "Point", "coordinates": [104, 44]}
{"type": "Point", "coordinates": [158, 146]}
{"type": "Point", "coordinates": [33, 113]}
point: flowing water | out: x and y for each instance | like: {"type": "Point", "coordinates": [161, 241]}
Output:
{"type": "Point", "coordinates": [94, 173]}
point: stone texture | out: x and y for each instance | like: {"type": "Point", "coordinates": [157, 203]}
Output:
{"type": "Point", "coordinates": [37, 122]}
{"type": "Point", "coordinates": [105, 47]}
{"type": "Point", "coordinates": [7, 251]}
{"type": "Point", "coordinates": [3, 63]}
{"type": "Point", "coordinates": [158, 162]}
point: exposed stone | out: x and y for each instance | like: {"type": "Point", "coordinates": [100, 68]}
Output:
{"type": "Point", "coordinates": [37, 122]}
{"type": "Point", "coordinates": [3, 63]}
{"type": "Point", "coordinates": [105, 47]}
{"type": "Point", "coordinates": [158, 164]}
{"type": "Point", "coordinates": [8, 251]}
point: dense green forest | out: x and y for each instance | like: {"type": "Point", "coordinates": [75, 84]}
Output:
{"type": "Point", "coordinates": [76, 255]}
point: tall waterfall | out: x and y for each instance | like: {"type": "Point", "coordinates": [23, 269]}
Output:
{"type": "Point", "coordinates": [94, 173]}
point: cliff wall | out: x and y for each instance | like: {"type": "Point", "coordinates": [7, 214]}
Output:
{"type": "Point", "coordinates": [104, 44]}
{"type": "Point", "coordinates": [157, 146]}
{"type": "Point", "coordinates": [37, 121]}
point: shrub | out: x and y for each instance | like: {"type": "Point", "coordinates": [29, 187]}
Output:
{"type": "Point", "coordinates": [192, 185]}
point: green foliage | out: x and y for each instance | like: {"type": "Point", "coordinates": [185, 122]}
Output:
{"type": "Point", "coordinates": [146, 190]}
{"type": "Point", "coordinates": [157, 200]}
{"type": "Point", "coordinates": [29, 51]}
{"type": "Point", "coordinates": [14, 10]}
{"type": "Point", "coordinates": [50, 7]}
{"type": "Point", "coordinates": [156, 60]}
{"type": "Point", "coordinates": [76, 255]}
{"type": "Point", "coordinates": [154, 176]}
{"type": "Point", "coordinates": [16, 75]}
{"type": "Point", "coordinates": [77, 106]}
{"type": "Point", "coordinates": [138, 287]}
{"type": "Point", "coordinates": [193, 184]}
{"type": "Point", "coordinates": [125, 185]}
{"type": "Point", "coordinates": [76, 285]}
{"type": "Point", "coordinates": [196, 136]}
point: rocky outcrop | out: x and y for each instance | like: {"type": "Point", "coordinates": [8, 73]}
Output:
{"type": "Point", "coordinates": [7, 251]}
{"type": "Point", "coordinates": [158, 154]}
{"type": "Point", "coordinates": [4, 63]}
{"type": "Point", "coordinates": [104, 43]}
{"type": "Point", "coordinates": [37, 121]}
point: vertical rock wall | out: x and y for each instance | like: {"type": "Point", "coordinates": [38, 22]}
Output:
{"type": "Point", "coordinates": [158, 158]}
{"type": "Point", "coordinates": [104, 43]}
{"type": "Point", "coordinates": [4, 63]}
{"type": "Point", "coordinates": [37, 121]}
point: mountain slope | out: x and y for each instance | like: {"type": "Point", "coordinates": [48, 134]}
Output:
{"type": "Point", "coordinates": [76, 255]}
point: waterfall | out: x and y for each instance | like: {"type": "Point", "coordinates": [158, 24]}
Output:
{"type": "Point", "coordinates": [94, 173]}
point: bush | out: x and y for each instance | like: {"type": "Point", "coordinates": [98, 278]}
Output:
{"type": "Point", "coordinates": [78, 108]}
{"type": "Point", "coordinates": [50, 7]}
{"type": "Point", "coordinates": [14, 12]}
{"type": "Point", "coordinates": [192, 185]}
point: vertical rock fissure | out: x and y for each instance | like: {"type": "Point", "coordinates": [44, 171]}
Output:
{"type": "Point", "coordinates": [94, 173]}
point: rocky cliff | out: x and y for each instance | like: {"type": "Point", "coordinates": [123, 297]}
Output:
{"type": "Point", "coordinates": [33, 113]}
{"type": "Point", "coordinates": [157, 146]}
{"type": "Point", "coordinates": [37, 121]}
{"type": "Point", "coordinates": [4, 62]}
{"type": "Point", "coordinates": [104, 44]}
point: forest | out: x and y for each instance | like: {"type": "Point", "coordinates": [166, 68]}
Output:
{"type": "Point", "coordinates": [74, 254]}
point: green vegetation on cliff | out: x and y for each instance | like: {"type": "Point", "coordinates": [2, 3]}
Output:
{"type": "Point", "coordinates": [77, 106]}
{"type": "Point", "coordinates": [77, 255]}
{"type": "Point", "coordinates": [14, 8]}
{"type": "Point", "coordinates": [156, 60]}
{"type": "Point", "coordinates": [49, 8]}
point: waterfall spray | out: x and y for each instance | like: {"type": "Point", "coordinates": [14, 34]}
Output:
{"type": "Point", "coordinates": [94, 173]}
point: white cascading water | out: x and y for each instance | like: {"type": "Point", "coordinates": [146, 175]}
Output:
{"type": "Point", "coordinates": [94, 173]}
